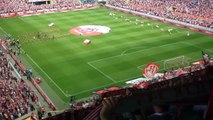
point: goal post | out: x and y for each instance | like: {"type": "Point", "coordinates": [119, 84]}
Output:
{"type": "Point", "coordinates": [177, 62]}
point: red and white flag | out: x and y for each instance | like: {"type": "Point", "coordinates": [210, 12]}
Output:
{"type": "Point", "coordinates": [150, 70]}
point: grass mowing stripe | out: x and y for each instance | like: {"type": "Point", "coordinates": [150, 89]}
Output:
{"type": "Point", "coordinates": [135, 52]}
{"type": "Point", "coordinates": [101, 72]}
{"type": "Point", "coordinates": [194, 46]}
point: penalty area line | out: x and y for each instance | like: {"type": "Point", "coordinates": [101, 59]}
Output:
{"type": "Point", "coordinates": [101, 87]}
{"type": "Point", "coordinates": [123, 53]}
{"type": "Point", "coordinates": [3, 30]}
{"type": "Point", "coordinates": [21, 19]}
{"type": "Point", "coordinates": [165, 45]}
{"type": "Point", "coordinates": [51, 80]}
{"type": "Point", "coordinates": [101, 72]}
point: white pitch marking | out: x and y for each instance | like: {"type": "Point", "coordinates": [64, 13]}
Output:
{"type": "Point", "coordinates": [42, 70]}
{"type": "Point", "coordinates": [105, 85]}
{"type": "Point", "coordinates": [3, 30]}
{"type": "Point", "coordinates": [130, 49]}
{"type": "Point", "coordinates": [78, 32]}
{"type": "Point", "coordinates": [67, 95]}
{"type": "Point", "coordinates": [134, 52]}
{"type": "Point", "coordinates": [20, 78]}
{"type": "Point", "coordinates": [101, 72]}
{"type": "Point", "coordinates": [21, 19]}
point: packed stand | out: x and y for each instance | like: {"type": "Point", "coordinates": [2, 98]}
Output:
{"type": "Point", "coordinates": [16, 97]}
{"type": "Point", "coordinates": [195, 12]}
{"type": "Point", "coordinates": [13, 6]}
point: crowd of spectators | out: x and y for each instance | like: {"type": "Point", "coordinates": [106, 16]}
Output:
{"type": "Point", "coordinates": [13, 6]}
{"type": "Point", "coordinates": [196, 12]}
{"type": "Point", "coordinates": [16, 97]}
{"type": "Point", "coordinates": [155, 112]}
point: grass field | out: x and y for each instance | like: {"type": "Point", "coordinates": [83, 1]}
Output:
{"type": "Point", "coordinates": [72, 68]}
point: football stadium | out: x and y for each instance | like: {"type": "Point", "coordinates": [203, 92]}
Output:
{"type": "Point", "coordinates": [106, 59]}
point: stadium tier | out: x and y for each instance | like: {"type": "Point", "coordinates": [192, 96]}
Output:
{"type": "Point", "coordinates": [189, 11]}
{"type": "Point", "coordinates": [17, 98]}
{"type": "Point", "coordinates": [14, 6]}
{"type": "Point", "coordinates": [106, 59]}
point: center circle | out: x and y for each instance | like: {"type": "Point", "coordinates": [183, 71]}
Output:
{"type": "Point", "coordinates": [90, 30]}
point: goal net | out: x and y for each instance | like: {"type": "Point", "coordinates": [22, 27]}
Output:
{"type": "Point", "coordinates": [177, 62]}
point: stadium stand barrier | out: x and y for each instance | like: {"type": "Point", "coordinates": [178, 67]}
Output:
{"type": "Point", "coordinates": [44, 11]}
{"type": "Point", "coordinates": [165, 20]}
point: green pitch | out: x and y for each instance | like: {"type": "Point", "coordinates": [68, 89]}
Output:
{"type": "Point", "coordinates": [72, 68]}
